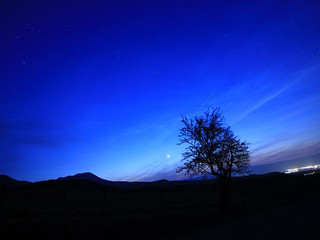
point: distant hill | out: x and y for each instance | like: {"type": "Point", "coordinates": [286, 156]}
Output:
{"type": "Point", "coordinates": [85, 181]}
{"type": "Point", "coordinates": [123, 184]}
{"type": "Point", "coordinates": [10, 182]}
{"type": "Point", "coordinates": [96, 179]}
{"type": "Point", "coordinates": [284, 165]}
{"type": "Point", "coordinates": [86, 176]}
{"type": "Point", "coordinates": [118, 184]}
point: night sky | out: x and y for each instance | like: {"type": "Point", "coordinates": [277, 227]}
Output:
{"type": "Point", "coordinates": [100, 86]}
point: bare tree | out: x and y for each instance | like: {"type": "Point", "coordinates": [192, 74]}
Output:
{"type": "Point", "coordinates": [213, 149]}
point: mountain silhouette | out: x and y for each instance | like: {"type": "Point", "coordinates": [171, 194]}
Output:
{"type": "Point", "coordinates": [121, 184]}
{"type": "Point", "coordinates": [10, 182]}
{"type": "Point", "coordinates": [86, 176]}
{"type": "Point", "coordinates": [96, 179]}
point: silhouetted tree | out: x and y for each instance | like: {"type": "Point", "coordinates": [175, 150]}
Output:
{"type": "Point", "coordinates": [213, 149]}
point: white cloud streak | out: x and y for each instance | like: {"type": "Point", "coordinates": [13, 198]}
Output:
{"type": "Point", "coordinates": [261, 103]}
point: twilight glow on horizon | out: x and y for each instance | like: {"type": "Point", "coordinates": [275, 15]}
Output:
{"type": "Point", "coordinates": [100, 86]}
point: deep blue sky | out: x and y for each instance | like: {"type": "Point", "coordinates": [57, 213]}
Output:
{"type": "Point", "coordinates": [100, 86]}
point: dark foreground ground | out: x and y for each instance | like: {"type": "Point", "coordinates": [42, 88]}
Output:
{"type": "Point", "coordinates": [274, 206]}
{"type": "Point", "coordinates": [296, 220]}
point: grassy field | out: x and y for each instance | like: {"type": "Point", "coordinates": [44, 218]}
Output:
{"type": "Point", "coordinates": [81, 209]}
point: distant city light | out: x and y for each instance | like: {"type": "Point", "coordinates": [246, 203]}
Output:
{"type": "Point", "coordinates": [307, 174]}
{"type": "Point", "coordinates": [305, 168]}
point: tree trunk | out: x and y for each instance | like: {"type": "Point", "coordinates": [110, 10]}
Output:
{"type": "Point", "coordinates": [224, 198]}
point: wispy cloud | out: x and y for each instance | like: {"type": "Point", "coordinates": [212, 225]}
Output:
{"type": "Point", "coordinates": [295, 151]}
{"type": "Point", "coordinates": [206, 101]}
{"type": "Point", "coordinates": [158, 169]}
{"type": "Point", "coordinates": [298, 76]}
{"type": "Point", "coordinates": [262, 102]}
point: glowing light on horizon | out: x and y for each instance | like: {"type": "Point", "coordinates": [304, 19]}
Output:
{"type": "Point", "coordinates": [310, 167]}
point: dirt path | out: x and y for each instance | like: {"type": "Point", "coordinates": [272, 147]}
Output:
{"type": "Point", "coordinates": [297, 220]}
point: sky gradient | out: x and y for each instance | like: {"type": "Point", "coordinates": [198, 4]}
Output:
{"type": "Point", "coordinates": [100, 86]}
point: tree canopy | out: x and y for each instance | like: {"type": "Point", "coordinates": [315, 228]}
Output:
{"type": "Point", "coordinates": [213, 148]}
